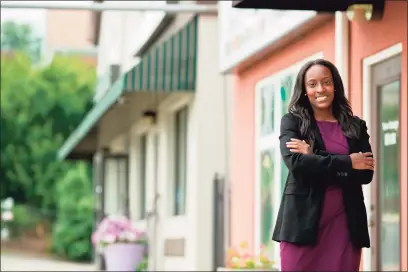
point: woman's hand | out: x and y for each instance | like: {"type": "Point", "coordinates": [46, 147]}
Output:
{"type": "Point", "coordinates": [362, 161]}
{"type": "Point", "coordinates": [298, 146]}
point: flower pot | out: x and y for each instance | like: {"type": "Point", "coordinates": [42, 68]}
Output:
{"type": "Point", "coordinates": [123, 257]}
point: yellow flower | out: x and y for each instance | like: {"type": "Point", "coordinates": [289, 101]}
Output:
{"type": "Point", "coordinates": [244, 244]}
{"type": "Point", "coordinates": [266, 161]}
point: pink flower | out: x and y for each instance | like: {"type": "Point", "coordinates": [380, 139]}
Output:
{"type": "Point", "coordinates": [113, 229]}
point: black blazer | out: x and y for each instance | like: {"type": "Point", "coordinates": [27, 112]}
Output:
{"type": "Point", "coordinates": [309, 176]}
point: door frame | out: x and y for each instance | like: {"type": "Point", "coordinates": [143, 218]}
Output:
{"type": "Point", "coordinates": [368, 108]}
{"type": "Point", "coordinates": [150, 221]}
{"type": "Point", "coordinates": [154, 212]}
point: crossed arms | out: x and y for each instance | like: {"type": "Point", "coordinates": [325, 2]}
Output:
{"type": "Point", "coordinates": [337, 168]}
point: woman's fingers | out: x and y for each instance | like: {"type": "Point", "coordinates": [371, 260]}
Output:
{"type": "Point", "coordinates": [295, 151]}
{"type": "Point", "coordinates": [296, 142]}
{"type": "Point", "coordinates": [297, 146]}
{"type": "Point", "coordinates": [369, 162]}
{"type": "Point", "coordinates": [292, 144]}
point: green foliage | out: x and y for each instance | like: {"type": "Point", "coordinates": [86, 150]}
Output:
{"type": "Point", "coordinates": [143, 265]}
{"type": "Point", "coordinates": [40, 107]}
{"type": "Point", "coordinates": [72, 232]}
{"type": "Point", "coordinates": [20, 37]}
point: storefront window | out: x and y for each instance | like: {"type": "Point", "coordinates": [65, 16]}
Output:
{"type": "Point", "coordinates": [267, 196]}
{"type": "Point", "coordinates": [267, 109]}
{"type": "Point", "coordinates": [286, 91]}
{"type": "Point", "coordinates": [287, 84]}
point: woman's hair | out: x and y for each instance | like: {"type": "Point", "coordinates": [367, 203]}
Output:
{"type": "Point", "coordinates": [300, 104]}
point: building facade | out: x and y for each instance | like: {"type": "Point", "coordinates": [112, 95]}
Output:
{"type": "Point", "coordinates": [157, 131]}
{"type": "Point", "coordinates": [68, 32]}
{"type": "Point", "coordinates": [264, 50]}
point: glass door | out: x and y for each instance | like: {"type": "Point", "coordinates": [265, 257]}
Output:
{"type": "Point", "coordinates": [388, 167]}
{"type": "Point", "coordinates": [386, 199]}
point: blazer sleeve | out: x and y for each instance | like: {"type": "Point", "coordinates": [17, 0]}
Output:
{"type": "Point", "coordinates": [335, 167]}
{"type": "Point", "coordinates": [361, 176]}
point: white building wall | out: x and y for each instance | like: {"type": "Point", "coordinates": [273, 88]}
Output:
{"type": "Point", "coordinates": [212, 140]}
{"type": "Point", "coordinates": [122, 33]}
{"type": "Point", "coordinates": [208, 141]}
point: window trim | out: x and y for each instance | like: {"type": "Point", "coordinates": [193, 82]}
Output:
{"type": "Point", "coordinates": [167, 110]}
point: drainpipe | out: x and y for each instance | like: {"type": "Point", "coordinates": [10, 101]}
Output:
{"type": "Point", "coordinates": [342, 48]}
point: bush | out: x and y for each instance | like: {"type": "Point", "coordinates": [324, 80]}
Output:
{"type": "Point", "coordinates": [75, 216]}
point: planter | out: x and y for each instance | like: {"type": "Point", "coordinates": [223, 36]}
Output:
{"type": "Point", "coordinates": [227, 269]}
{"type": "Point", "coordinates": [123, 257]}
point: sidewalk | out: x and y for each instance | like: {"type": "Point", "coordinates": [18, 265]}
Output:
{"type": "Point", "coordinates": [13, 262]}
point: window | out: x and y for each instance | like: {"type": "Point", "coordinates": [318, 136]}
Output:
{"type": "Point", "coordinates": [267, 170]}
{"type": "Point", "coordinates": [286, 89]}
{"type": "Point", "coordinates": [267, 146]}
{"type": "Point", "coordinates": [143, 175]}
{"type": "Point", "coordinates": [272, 100]}
{"type": "Point", "coordinates": [123, 184]}
{"type": "Point", "coordinates": [116, 192]}
{"type": "Point", "coordinates": [180, 161]}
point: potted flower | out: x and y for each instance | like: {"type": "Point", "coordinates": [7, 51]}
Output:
{"type": "Point", "coordinates": [241, 260]}
{"type": "Point", "coordinates": [122, 245]}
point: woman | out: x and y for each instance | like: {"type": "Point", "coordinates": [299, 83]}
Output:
{"type": "Point", "coordinates": [322, 220]}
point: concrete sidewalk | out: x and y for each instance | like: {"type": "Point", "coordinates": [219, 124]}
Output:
{"type": "Point", "coordinates": [14, 262]}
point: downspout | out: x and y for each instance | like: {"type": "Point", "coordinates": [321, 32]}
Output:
{"type": "Point", "coordinates": [342, 48]}
{"type": "Point", "coordinates": [227, 177]}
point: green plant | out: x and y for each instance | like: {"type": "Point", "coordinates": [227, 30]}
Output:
{"type": "Point", "coordinates": [143, 265]}
{"type": "Point", "coordinates": [75, 218]}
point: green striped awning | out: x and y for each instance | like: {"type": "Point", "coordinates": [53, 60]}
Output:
{"type": "Point", "coordinates": [170, 67]}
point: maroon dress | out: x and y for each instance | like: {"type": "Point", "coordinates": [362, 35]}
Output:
{"type": "Point", "coordinates": [334, 251]}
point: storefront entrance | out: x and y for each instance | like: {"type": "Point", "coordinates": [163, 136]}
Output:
{"type": "Point", "coordinates": [386, 140]}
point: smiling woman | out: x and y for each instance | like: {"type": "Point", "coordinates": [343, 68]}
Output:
{"type": "Point", "coordinates": [321, 143]}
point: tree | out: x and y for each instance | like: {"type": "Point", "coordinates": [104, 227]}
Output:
{"type": "Point", "coordinates": [40, 108]}
{"type": "Point", "coordinates": [20, 37]}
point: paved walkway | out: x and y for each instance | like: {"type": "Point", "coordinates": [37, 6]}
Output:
{"type": "Point", "coordinates": [12, 262]}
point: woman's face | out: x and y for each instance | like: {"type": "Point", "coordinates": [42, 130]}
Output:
{"type": "Point", "coordinates": [319, 87]}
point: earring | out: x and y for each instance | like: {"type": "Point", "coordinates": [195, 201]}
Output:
{"type": "Point", "coordinates": [305, 94]}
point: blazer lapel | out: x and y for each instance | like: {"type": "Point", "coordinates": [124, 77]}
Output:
{"type": "Point", "coordinates": [350, 143]}
{"type": "Point", "coordinates": [319, 143]}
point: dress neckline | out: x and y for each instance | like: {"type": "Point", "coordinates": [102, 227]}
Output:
{"type": "Point", "coordinates": [330, 122]}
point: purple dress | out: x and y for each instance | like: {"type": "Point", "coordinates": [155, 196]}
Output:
{"type": "Point", "coordinates": [334, 251]}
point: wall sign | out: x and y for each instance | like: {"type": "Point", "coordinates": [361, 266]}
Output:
{"type": "Point", "coordinates": [244, 32]}
{"type": "Point", "coordinates": [390, 130]}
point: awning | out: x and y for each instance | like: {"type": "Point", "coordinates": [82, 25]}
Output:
{"type": "Point", "coordinates": [168, 67]}
{"type": "Point", "coordinates": [316, 5]}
